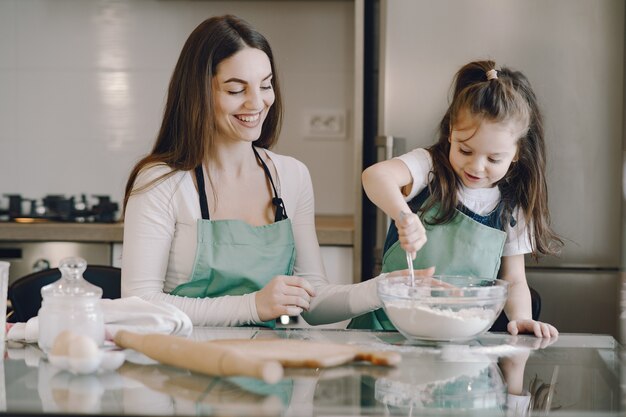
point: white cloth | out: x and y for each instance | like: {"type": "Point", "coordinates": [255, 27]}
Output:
{"type": "Point", "coordinates": [160, 246]}
{"type": "Point", "coordinates": [130, 313]}
{"type": "Point", "coordinates": [481, 201]}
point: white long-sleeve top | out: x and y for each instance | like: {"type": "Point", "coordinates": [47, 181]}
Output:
{"type": "Point", "coordinates": [160, 246]}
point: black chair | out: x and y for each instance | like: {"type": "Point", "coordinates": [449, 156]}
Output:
{"type": "Point", "coordinates": [502, 321]}
{"type": "Point", "coordinates": [25, 293]}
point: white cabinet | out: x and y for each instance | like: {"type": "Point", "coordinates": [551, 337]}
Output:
{"type": "Point", "coordinates": [338, 264]}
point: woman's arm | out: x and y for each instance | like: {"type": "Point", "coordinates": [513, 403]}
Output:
{"type": "Point", "coordinates": [160, 241]}
{"type": "Point", "coordinates": [518, 304]}
{"type": "Point", "coordinates": [332, 302]}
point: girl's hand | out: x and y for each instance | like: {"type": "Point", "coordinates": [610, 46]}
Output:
{"type": "Point", "coordinates": [539, 328]}
{"type": "Point", "coordinates": [411, 233]}
{"type": "Point", "coordinates": [530, 343]}
{"type": "Point", "coordinates": [284, 294]}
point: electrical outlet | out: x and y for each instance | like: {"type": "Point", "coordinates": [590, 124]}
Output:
{"type": "Point", "coordinates": [325, 124]}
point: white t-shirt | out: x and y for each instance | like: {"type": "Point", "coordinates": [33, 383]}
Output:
{"type": "Point", "coordinates": [481, 201]}
{"type": "Point", "coordinates": [160, 246]}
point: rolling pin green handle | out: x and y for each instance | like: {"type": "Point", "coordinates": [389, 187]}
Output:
{"type": "Point", "coordinates": [202, 357]}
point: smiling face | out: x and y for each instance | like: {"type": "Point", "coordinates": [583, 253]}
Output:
{"type": "Point", "coordinates": [482, 151]}
{"type": "Point", "coordinates": [243, 94]}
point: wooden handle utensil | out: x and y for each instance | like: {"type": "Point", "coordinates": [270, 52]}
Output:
{"type": "Point", "coordinates": [206, 358]}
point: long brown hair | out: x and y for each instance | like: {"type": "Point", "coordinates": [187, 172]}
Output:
{"type": "Point", "coordinates": [188, 129]}
{"type": "Point", "coordinates": [507, 97]}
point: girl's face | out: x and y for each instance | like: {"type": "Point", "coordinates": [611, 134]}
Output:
{"type": "Point", "coordinates": [243, 94]}
{"type": "Point", "coordinates": [481, 151]}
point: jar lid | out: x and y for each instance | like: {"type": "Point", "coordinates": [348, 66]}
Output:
{"type": "Point", "coordinates": [72, 283]}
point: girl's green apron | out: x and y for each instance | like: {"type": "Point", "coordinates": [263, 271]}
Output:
{"type": "Point", "coordinates": [467, 245]}
{"type": "Point", "coordinates": [234, 258]}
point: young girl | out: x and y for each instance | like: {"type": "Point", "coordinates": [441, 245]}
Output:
{"type": "Point", "coordinates": [477, 199]}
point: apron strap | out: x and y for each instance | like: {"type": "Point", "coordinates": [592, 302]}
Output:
{"type": "Point", "coordinates": [280, 213]}
{"type": "Point", "coordinates": [204, 206]}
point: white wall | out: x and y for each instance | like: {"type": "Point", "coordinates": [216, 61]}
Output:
{"type": "Point", "coordinates": [83, 83]}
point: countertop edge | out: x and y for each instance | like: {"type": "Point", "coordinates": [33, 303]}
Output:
{"type": "Point", "coordinates": [332, 230]}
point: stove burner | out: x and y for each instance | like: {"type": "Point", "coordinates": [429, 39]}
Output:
{"type": "Point", "coordinates": [59, 208]}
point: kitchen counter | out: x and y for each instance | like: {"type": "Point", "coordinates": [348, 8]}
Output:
{"type": "Point", "coordinates": [576, 375]}
{"type": "Point", "coordinates": [331, 231]}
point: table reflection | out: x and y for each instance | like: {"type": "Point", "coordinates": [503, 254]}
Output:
{"type": "Point", "coordinates": [61, 391]}
{"type": "Point", "coordinates": [190, 391]}
{"type": "Point", "coordinates": [495, 375]}
{"type": "Point", "coordinates": [433, 382]}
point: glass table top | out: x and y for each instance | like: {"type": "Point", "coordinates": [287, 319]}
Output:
{"type": "Point", "coordinates": [497, 374]}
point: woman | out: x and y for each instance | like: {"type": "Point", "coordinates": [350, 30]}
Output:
{"type": "Point", "coordinates": [215, 223]}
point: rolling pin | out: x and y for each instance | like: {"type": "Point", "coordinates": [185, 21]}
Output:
{"type": "Point", "coordinates": [199, 357]}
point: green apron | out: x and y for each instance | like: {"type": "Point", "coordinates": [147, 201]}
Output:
{"type": "Point", "coordinates": [235, 258]}
{"type": "Point", "coordinates": [462, 246]}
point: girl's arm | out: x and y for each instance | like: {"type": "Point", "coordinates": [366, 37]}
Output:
{"type": "Point", "coordinates": [518, 304]}
{"type": "Point", "coordinates": [386, 184]}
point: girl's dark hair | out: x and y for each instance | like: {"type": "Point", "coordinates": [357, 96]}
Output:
{"type": "Point", "coordinates": [507, 97]}
{"type": "Point", "coordinates": [188, 129]}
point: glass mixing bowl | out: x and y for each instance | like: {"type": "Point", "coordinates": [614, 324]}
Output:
{"type": "Point", "coordinates": [442, 307]}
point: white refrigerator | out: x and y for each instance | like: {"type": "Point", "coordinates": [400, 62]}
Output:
{"type": "Point", "coordinates": [572, 51]}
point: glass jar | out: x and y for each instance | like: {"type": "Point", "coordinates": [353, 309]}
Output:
{"type": "Point", "coordinates": [71, 303]}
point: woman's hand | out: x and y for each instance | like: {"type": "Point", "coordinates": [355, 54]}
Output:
{"type": "Point", "coordinates": [539, 328]}
{"type": "Point", "coordinates": [411, 233]}
{"type": "Point", "coordinates": [283, 295]}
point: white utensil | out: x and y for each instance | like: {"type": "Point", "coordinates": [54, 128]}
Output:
{"type": "Point", "coordinates": [409, 259]}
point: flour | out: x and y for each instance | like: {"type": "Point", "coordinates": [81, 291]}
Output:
{"type": "Point", "coordinates": [416, 320]}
